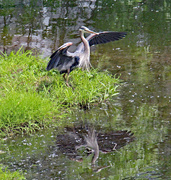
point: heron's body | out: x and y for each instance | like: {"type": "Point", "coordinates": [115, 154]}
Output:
{"type": "Point", "coordinates": [84, 53]}
{"type": "Point", "coordinates": [65, 61]}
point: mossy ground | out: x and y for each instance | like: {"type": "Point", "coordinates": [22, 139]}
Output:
{"type": "Point", "coordinates": [31, 97]}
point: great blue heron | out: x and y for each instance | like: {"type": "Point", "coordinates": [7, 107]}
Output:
{"type": "Point", "coordinates": [65, 61]}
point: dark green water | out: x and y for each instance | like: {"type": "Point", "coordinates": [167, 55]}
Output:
{"type": "Point", "coordinates": [143, 106]}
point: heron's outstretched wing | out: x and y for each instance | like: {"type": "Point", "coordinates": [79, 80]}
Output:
{"type": "Point", "coordinates": [101, 38]}
{"type": "Point", "coordinates": [104, 37]}
{"type": "Point", "coordinates": [59, 57]}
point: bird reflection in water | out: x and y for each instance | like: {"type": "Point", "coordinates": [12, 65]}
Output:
{"type": "Point", "coordinates": [85, 138]}
{"type": "Point", "coordinates": [65, 61]}
{"type": "Point", "coordinates": [90, 141]}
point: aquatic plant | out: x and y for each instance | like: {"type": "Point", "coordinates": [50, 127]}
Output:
{"type": "Point", "coordinates": [6, 174]}
{"type": "Point", "coordinates": [31, 97]}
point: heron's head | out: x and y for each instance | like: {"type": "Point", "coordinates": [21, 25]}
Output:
{"type": "Point", "coordinates": [86, 30]}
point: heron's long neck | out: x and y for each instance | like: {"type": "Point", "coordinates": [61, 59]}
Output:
{"type": "Point", "coordinates": [85, 53]}
{"type": "Point", "coordinates": [85, 42]}
{"type": "Point", "coordinates": [96, 154]}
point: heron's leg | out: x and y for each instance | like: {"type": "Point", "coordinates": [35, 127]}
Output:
{"type": "Point", "coordinates": [66, 80]}
{"type": "Point", "coordinates": [64, 76]}
{"type": "Point", "coordinates": [68, 71]}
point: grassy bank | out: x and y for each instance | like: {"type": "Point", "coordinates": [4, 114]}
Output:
{"type": "Point", "coordinates": [31, 97]}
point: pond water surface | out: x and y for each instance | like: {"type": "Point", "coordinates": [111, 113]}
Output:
{"type": "Point", "coordinates": [142, 108]}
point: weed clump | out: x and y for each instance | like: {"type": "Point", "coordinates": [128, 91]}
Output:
{"type": "Point", "coordinates": [31, 97]}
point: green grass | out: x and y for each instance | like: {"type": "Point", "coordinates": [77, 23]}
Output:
{"type": "Point", "coordinates": [31, 97]}
{"type": "Point", "coordinates": [5, 174]}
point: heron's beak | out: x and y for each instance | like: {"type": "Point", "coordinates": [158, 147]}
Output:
{"type": "Point", "coordinates": [91, 32]}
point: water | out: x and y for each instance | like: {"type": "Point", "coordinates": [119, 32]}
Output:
{"type": "Point", "coordinates": [142, 60]}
